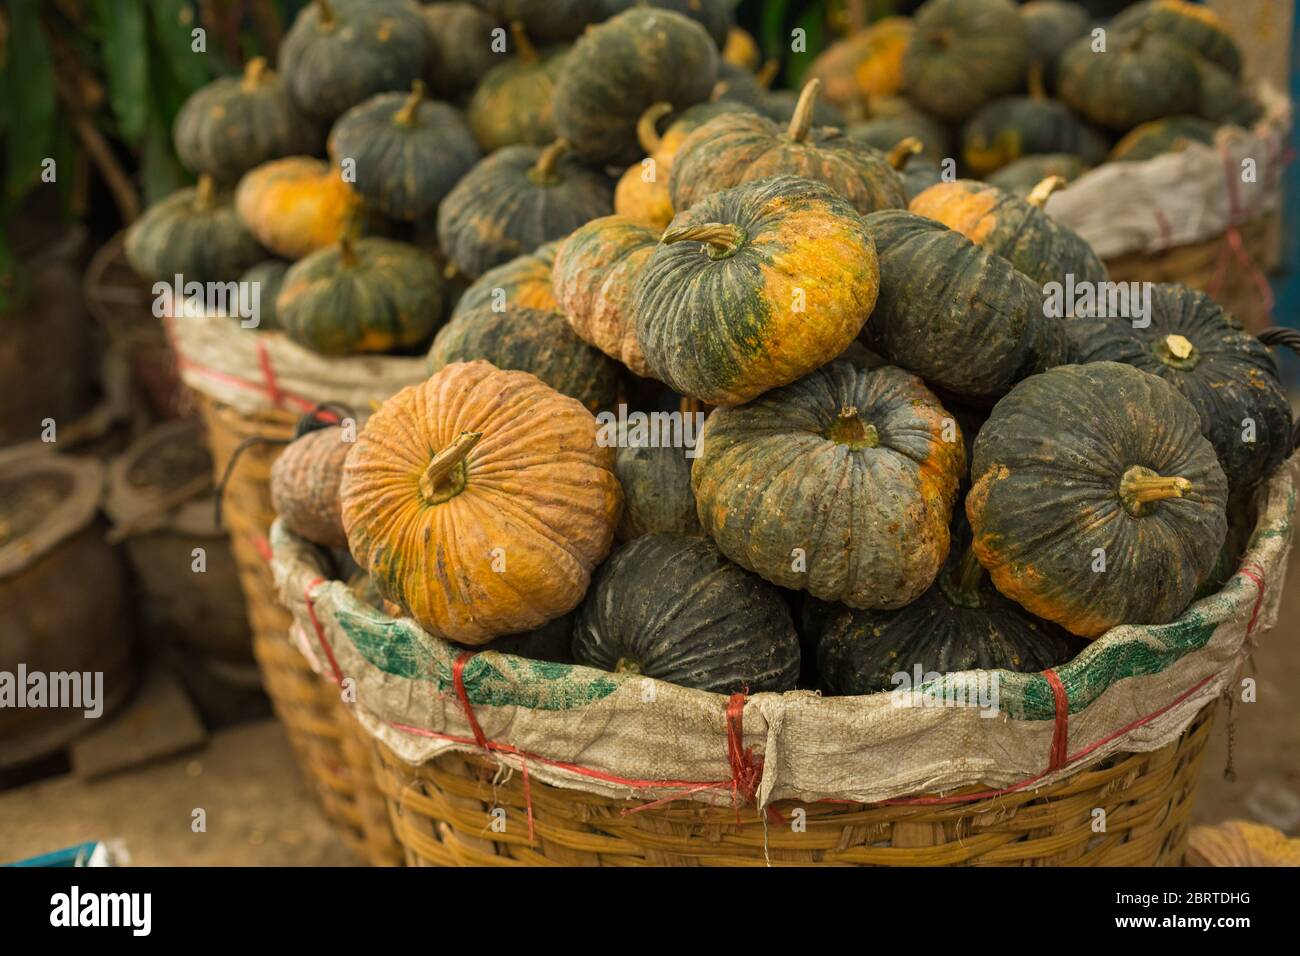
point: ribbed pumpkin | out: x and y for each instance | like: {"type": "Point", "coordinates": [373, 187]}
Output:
{"type": "Point", "coordinates": [193, 233]}
{"type": "Point", "coordinates": [670, 607]}
{"type": "Point", "coordinates": [1191, 24]}
{"type": "Point", "coordinates": [513, 102]}
{"type": "Point", "coordinates": [1096, 466]}
{"type": "Point", "coordinates": [741, 148]}
{"type": "Point", "coordinates": [529, 340]}
{"type": "Point", "coordinates": [1052, 25]}
{"type": "Point", "coordinates": [595, 268]}
{"type": "Point", "coordinates": [408, 151]}
{"type": "Point", "coordinates": [340, 52]}
{"type": "Point", "coordinates": [267, 277]}
{"type": "Point", "coordinates": [624, 65]}
{"type": "Point", "coordinates": [964, 53]}
{"type": "Point", "coordinates": [460, 47]}
{"type": "Point", "coordinates": [1226, 373]}
{"type": "Point", "coordinates": [657, 496]}
{"type": "Point", "coordinates": [1169, 135]}
{"type": "Point", "coordinates": [959, 316]}
{"type": "Point", "coordinates": [841, 485]}
{"type": "Point", "coordinates": [1016, 229]}
{"type": "Point", "coordinates": [900, 121]}
{"type": "Point", "coordinates": [514, 201]}
{"type": "Point", "coordinates": [716, 16]}
{"type": "Point", "coordinates": [235, 123]}
{"type": "Point", "coordinates": [305, 486]}
{"type": "Point", "coordinates": [866, 64]}
{"type": "Point", "coordinates": [522, 283]}
{"type": "Point", "coordinates": [1022, 175]}
{"type": "Point", "coordinates": [1223, 99]}
{"type": "Point", "coordinates": [297, 205]}
{"type": "Point", "coordinates": [368, 295]}
{"type": "Point", "coordinates": [1140, 77]}
{"type": "Point", "coordinates": [765, 282]}
{"type": "Point", "coordinates": [480, 502]}
{"type": "Point", "coordinates": [548, 20]}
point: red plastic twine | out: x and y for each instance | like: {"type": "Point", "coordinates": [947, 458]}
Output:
{"type": "Point", "coordinates": [1061, 725]}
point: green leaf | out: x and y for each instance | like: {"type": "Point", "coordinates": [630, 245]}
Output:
{"type": "Point", "coordinates": [28, 91]}
{"type": "Point", "coordinates": [122, 25]}
{"type": "Point", "coordinates": [172, 21]}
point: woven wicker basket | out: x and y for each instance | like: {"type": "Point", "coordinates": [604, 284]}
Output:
{"type": "Point", "coordinates": [324, 735]}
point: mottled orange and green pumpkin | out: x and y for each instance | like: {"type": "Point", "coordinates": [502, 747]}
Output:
{"type": "Point", "coordinates": [408, 151]}
{"type": "Point", "coordinates": [1096, 463]}
{"type": "Point", "coordinates": [1013, 227]}
{"type": "Point", "coordinates": [480, 502]}
{"type": "Point", "coordinates": [367, 295]}
{"type": "Point", "coordinates": [530, 340]}
{"type": "Point", "coordinates": [964, 53]}
{"type": "Point", "coordinates": [305, 486]}
{"type": "Point", "coordinates": [765, 281]}
{"type": "Point", "coordinates": [522, 283]}
{"type": "Point", "coordinates": [1022, 175]}
{"type": "Point", "coordinates": [1192, 24]}
{"type": "Point", "coordinates": [863, 65]}
{"type": "Point", "coordinates": [513, 102]}
{"type": "Point", "coordinates": [624, 65]}
{"type": "Point", "coordinates": [514, 201]}
{"type": "Point", "coordinates": [233, 123]}
{"type": "Point", "coordinates": [193, 233]}
{"type": "Point", "coordinates": [958, 315]}
{"type": "Point", "coordinates": [1141, 76]}
{"type": "Point", "coordinates": [460, 47]}
{"type": "Point", "coordinates": [340, 52]}
{"type": "Point", "coordinates": [297, 205]}
{"type": "Point", "coordinates": [595, 269]}
{"type": "Point", "coordinates": [1172, 134]}
{"type": "Point", "coordinates": [741, 147]}
{"type": "Point", "coordinates": [841, 484]}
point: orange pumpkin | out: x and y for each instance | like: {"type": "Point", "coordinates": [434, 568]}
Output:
{"type": "Point", "coordinates": [297, 205]}
{"type": "Point", "coordinates": [480, 502]}
{"type": "Point", "coordinates": [864, 65]}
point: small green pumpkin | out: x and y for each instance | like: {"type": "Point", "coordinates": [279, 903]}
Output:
{"type": "Point", "coordinates": [232, 124]}
{"type": "Point", "coordinates": [193, 233]}
{"type": "Point", "coordinates": [529, 340]}
{"type": "Point", "coordinates": [408, 151]}
{"type": "Point", "coordinates": [460, 47]}
{"type": "Point", "coordinates": [1052, 25]}
{"type": "Point", "coordinates": [960, 316]}
{"type": "Point", "coordinates": [903, 121]}
{"type": "Point", "coordinates": [340, 52]}
{"type": "Point", "coordinates": [548, 20]}
{"type": "Point", "coordinates": [1022, 175]}
{"type": "Point", "coordinates": [368, 295]}
{"type": "Point", "coordinates": [841, 485]}
{"type": "Point", "coordinates": [1223, 99]}
{"type": "Point", "coordinates": [670, 607]}
{"type": "Point", "coordinates": [1195, 26]}
{"type": "Point", "coordinates": [267, 277]}
{"type": "Point", "coordinates": [1091, 467]}
{"type": "Point", "coordinates": [514, 102]}
{"type": "Point", "coordinates": [514, 201]}
{"type": "Point", "coordinates": [522, 283]}
{"type": "Point", "coordinates": [657, 496]}
{"type": "Point", "coordinates": [716, 16]}
{"type": "Point", "coordinates": [1139, 77]}
{"type": "Point", "coordinates": [765, 282]}
{"type": "Point", "coordinates": [1171, 134]}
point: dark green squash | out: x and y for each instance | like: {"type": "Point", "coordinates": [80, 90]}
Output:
{"type": "Point", "coordinates": [841, 485]}
{"type": "Point", "coordinates": [657, 494]}
{"type": "Point", "coordinates": [548, 21]}
{"type": "Point", "coordinates": [460, 47]}
{"type": "Point", "coordinates": [960, 316]}
{"type": "Point", "coordinates": [408, 151]}
{"type": "Point", "coordinates": [340, 52]}
{"type": "Point", "coordinates": [267, 277]}
{"type": "Point", "coordinates": [514, 201]}
{"type": "Point", "coordinates": [670, 607]}
{"type": "Point", "coordinates": [193, 233]}
{"type": "Point", "coordinates": [623, 66]}
{"type": "Point", "coordinates": [530, 340]}
{"type": "Point", "coordinates": [1169, 135]}
{"type": "Point", "coordinates": [716, 16]}
{"type": "Point", "coordinates": [513, 103]}
{"type": "Point", "coordinates": [1227, 374]}
{"type": "Point", "coordinates": [964, 53]}
{"type": "Point", "coordinates": [368, 295]}
{"type": "Point", "coordinates": [738, 85]}
{"type": "Point", "coordinates": [1022, 175]}
{"type": "Point", "coordinates": [780, 107]}
{"type": "Point", "coordinates": [1052, 26]}
{"type": "Point", "coordinates": [1195, 26]}
{"type": "Point", "coordinates": [883, 130]}
{"type": "Point", "coordinates": [522, 283]}
{"type": "Point", "coordinates": [741, 276]}
{"type": "Point", "coordinates": [232, 124]}
{"type": "Point", "coordinates": [1092, 463]}
{"type": "Point", "coordinates": [1139, 77]}
{"type": "Point", "coordinates": [1224, 100]}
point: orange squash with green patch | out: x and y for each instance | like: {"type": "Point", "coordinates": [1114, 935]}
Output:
{"type": "Point", "coordinates": [522, 283]}
{"type": "Point", "coordinates": [864, 65]}
{"type": "Point", "coordinates": [297, 205]}
{"type": "Point", "coordinates": [513, 102]}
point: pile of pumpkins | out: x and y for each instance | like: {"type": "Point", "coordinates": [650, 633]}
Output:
{"type": "Point", "coordinates": [908, 456]}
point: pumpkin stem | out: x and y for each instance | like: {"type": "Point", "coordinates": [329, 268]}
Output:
{"type": "Point", "coordinates": [326, 12]}
{"type": "Point", "coordinates": [801, 121]}
{"type": "Point", "coordinates": [445, 476]}
{"type": "Point", "coordinates": [1039, 194]}
{"type": "Point", "coordinates": [1141, 486]}
{"type": "Point", "coordinates": [767, 73]}
{"type": "Point", "coordinates": [544, 170]}
{"type": "Point", "coordinates": [903, 150]}
{"type": "Point", "coordinates": [1177, 351]}
{"type": "Point", "coordinates": [205, 193]}
{"type": "Point", "coordinates": [255, 73]}
{"type": "Point", "coordinates": [849, 429]}
{"type": "Point", "coordinates": [1037, 89]}
{"type": "Point", "coordinates": [647, 129]}
{"type": "Point", "coordinates": [406, 115]}
{"type": "Point", "coordinates": [963, 588]}
{"type": "Point", "coordinates": [347, 252]}
{"type": "Point", "coordinates": [722, 239]}
{"type": "Point", "coordinates": [524, 49]}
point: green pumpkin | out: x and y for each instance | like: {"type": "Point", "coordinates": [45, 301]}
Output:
{"type": "Point", "coordinates": [513, 103]}
{"type": "Point", "coordinates": [918, 175]}
{"type": "Point", "coordinates": [460, 47]}
{"type": "Point", "coordinates": [740, 275]}
{"type": "Point", "coordinates": [1223, 99]}
{"type": "Point", "coordinates": [548, 21]}
{"type": "Point", "coordinates": [841, 485]}
{"type": "Point", "coordinates": [737, 85]}
{"type": "Point", "coordinates": [1022, 175]}
{"type": "Point", "coordinates": [964, 53]}
{"type": "Point", "coordinates": [960, 316]}
{"type": "Point", "coordinates": [193, 233]}
{"type": "Point", "coordinates": [1191, 24]}
{"type": "Point", "coordinates": [884, 131]}
{"type": "Point", "coordinates": [670, 607]}
{"type": "Point", "coordinates": [514, 201]}
{"type": "Point", "coordinates": [368, 295]}
{"type": "Point", "coordinates": [1090, 463]}
{"type": "Point", "coordinates": [408, 151]}
{"type": "Point", "coordinates": [716, 16]}
{"type": "Point", "coordinates": [1169, 135]}
{"type": "Point", "coordinates": [267, 277]}
{"type": "Point", "coordinates": [232, 124]}
{"type": "Point", "coordinates": [522, 283]}
{"type": "Point", "coordinates": [529, 340]}
{"type": "Point", "coordinates": [657, 496]}
{"type": "Point", "coordinates": [621, 67]}
{"type": "Point", "coordinates": [1140, 77]}
{"type": "Point", "coordinates": [780, 107]}
{"type": "Point", "coordinates": [1052, 25]}
{"type": "Point", "coordinates": [1226, 373]}
{"type": "Point", "coordinates": [743, 147]}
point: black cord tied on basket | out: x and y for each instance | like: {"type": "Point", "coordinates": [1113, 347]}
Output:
{"type": "Point", "coordinates": [1288, 338]}
{"type": "Point", "coordinates": [324, 415]}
